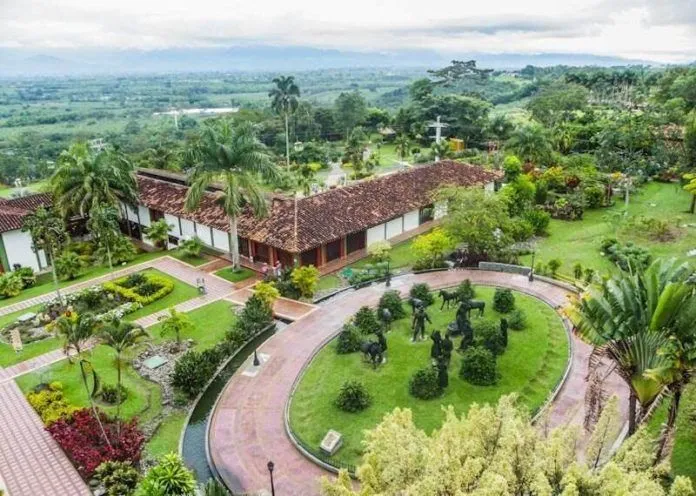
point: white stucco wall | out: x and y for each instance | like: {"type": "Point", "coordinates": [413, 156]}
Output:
{"type": "Point", "coordinates": [144, 213]}
{"type": "Point", "coordinates": [187, 228]}
{"type": "Point", "coordinates": [220, 240]}
{"type": "Point", "coordinates": [395, 227]}
{"type": "Point", "coordinates": [411, 220]}
{"type": "Point", "coordinates": [490, 187]}
{"type": "Point", "coordinates": [18, 250]}
{"type": "Point", "coordinates": [203, 233]}
{"type": "Point", "coordinates": [173, 222]}
{"type": "Point", "coordinates": [440, 210]}
{"type": "Point", "coordinates": [375, 234]}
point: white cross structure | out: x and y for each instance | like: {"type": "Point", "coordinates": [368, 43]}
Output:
{"type": "Point", "coordinates": [438, 132]}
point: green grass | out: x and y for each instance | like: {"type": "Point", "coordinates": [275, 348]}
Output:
{"type": "Point", "coordinates": [181, 293]}
{"type": "Point", "coordinates": [402, 255]}
{"type": "Point", "coordinates": [532, 365]}
{"type": "Point", "coordinates": [235, 275]}
{"type": "Point", "coordinates": [328, 282]}
{"type": "Point", "coordinates": [6, 191]}
{"type": "Point", "coordinates": [166, 437]}
{"type": "Point", "coordinates": [579, 241]}
{"type": "Point", "coordinates": [44, 283]}
{"type": "Point", "coordinates": [144, 399]}
{"type": "Point", "coordinates": [684, 452]}
{"type": "Point", "coordinates": [211, 322]}
{"type": "Point", "coordinates": [195, 260]}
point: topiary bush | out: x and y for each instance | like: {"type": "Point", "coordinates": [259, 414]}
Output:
{"type": "Point", "coordinates": [349, 340]}
{"type": "Point", "coordinates": [391, 300]}
{"type": "Point", "coordinates": [466, 290]}
{"type": "Point", "coordinates": [424, 384]}
{"type": "Point", "coordinates": [422, 292]}
{"type": "Point", "coordinates": [479, 366]}
{"type": "Point", "coordinates": [366, 320]}
{"type": "Point", "coordinates": [517, 320]}
{"type": "Point", "coordinates": [503, 300]}
{"type": "Point", "coordinates": [353, 397]}
{"type": "Point", "coordinates": [487, 334]}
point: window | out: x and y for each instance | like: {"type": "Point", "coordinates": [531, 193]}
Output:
{"type": "Point", "coordinates": [156, 215]}
{"type": "Point", "coordinates": [356, 241]}
{"type": "Point", "coordinates": [333, 250]}
{"type": "Point", "coordinates": [262, 253]}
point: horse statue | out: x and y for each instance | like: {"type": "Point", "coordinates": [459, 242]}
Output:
{"type": "Point", "coordinates": [447, 298]}
{"type": "Point", "coordinates": [469, 305]}
{"type": "Point", "coordinates": [372, 351]}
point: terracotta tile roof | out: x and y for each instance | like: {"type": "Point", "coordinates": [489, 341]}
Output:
{"type": "Point", "coordinates": [325, 216]}
{"type": "Point", "coordinates": [13, 211]}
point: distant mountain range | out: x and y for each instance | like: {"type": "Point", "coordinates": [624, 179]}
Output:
{"type": "Point", "coordinates": [17, 62]}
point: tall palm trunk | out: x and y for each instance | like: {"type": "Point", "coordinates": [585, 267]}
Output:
{"type": "Point", "coordinates": [55, 278]}
{"type": "Point", "coordinates": [287, 141]}
{"type": "Point", "coordinates": [234, 242]}
{"type": "Point", "coordinates": [692, 209]}
{"type": "Point", "coordinates": [666, 433]}
{"type": "Point", "coordinates": [108, 255]}
{"type": "Point", "coordinates": [118, 394]}
{"type": "Point", "coordinates": [632, 404]}
{"type": "Point", "coordinates": [91, 402]}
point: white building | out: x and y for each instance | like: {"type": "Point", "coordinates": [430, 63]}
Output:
{"type": "Point", "coordinates": [15, 245]}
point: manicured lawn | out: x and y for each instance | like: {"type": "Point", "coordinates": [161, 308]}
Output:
{"type": "Point", "coordinates": [144, 399]}
{"type": "Point", "coordinates": [181, 293]}
{"type": "Point", "coordinates": [166, 437]}
{"type": "Point", "coordinates": [195, 261]}
{"type": "Point", "coordinates": [235, 275]}
{"type": "Point", "coordinates": [684, 453]}
{"type": "Point", "coordinates": [44, 283]}
{"type": "Point", "coordinates": [401, 256]}
{"type": "Point", "coordinates": [329, 281]}
{"type": "Point", "coordinates": [6, 191]}
{"type": "Point", "coordinates": [211, 323]}
{"type": "Point", "coordinates": [535, 360]}
{"type": "Point", "coordinates": [579, 242]}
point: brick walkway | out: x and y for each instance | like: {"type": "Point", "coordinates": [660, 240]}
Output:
{"type": "Point", "coordinates": [247, 427]}
{"type": "Point", "coordinates": [31, 463]}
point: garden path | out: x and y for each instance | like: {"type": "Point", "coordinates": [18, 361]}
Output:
{"type": "Point", "coordinates": [247, 427]}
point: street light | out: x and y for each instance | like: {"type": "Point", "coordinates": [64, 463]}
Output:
{"type": "Point", "coordinates": [388, 281]}
{"type": "Point", "coordinates": [270, 471]}
{"type": "Point", "coordinates": [531, 269]}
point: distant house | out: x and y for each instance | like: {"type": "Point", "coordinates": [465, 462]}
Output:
{"type": "Point", "coordinates": [15, 245]}
{"type": "Point", "coordinates": [327, 230]}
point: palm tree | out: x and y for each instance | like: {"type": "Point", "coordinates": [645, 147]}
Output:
{"type": "Point", "coordinates": [48, 233]}
{"type": "Point", "coordinates": [403, 146]}
{"type": "Point", "coordinates": [285, 99]}
{"type": "Point", "coordinates": [175, 323]}
{"type": "Point", "coordinates": [691, 188]}
{"type": "Point", "coordinates": [103, 225]}
{"type": "Point", "coordinates": [84, 180]}
{"type": "Point", "coordinates": [77, 332]}
{"type": "Point", "coordinates": [630, 321]}
{"type": "Point", "coordinates": [121, 336]}
{"type": "Point", "coordinates": [234, 156]}
{"type": "Point", "coordinates": [531, 143]}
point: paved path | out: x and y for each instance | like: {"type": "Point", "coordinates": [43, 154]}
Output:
{"type": "Point", "coordinates": [247, 427]}
{"type": "Point", "coordinates": [31, 463]}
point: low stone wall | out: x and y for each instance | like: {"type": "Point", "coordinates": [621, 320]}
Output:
{"type": "Point", "coordinates": [502, 267]}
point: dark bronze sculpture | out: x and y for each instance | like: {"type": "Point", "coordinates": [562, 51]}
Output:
{"type": "Point", "coordinates": [447, 347]}
{"type": "Point", "coordinates": [436, 349]}
{"type": "Point", "coordinates": [418, 324]}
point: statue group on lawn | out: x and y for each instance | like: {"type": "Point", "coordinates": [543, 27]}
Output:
{"type": "Point", "coordinates": [375, 351]}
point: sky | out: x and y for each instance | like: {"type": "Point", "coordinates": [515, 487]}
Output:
{"type": "Point", "coordinates": [657, 30]}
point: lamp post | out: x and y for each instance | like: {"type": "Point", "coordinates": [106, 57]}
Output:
{"type": "Point", "coordinates": [388, 281]}
{"type": "Point", "coordinates": [531, 269]}
{"type": "Point", "coordinates": [270, 471]}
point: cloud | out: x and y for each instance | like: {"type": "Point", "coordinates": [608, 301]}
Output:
{"type": "Point", "coordinates": [661, 30]}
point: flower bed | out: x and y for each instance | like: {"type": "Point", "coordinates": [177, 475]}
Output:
{"type": "Point", "coordinates": [141, 288]}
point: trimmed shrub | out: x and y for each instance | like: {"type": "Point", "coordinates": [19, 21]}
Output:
{"type": "Point", "coordinates": [133, 280]}
{"type": "Point", "coordinates": [391, 300]}
{"type": "Point", "coordinates": [169, 477]}
{"type": "Point", "coordinates": [26, 274]}
{"type": "Point", "coordinates": [422, 292]}
{"type": "Point", "coordinates": [366, 320]}
{"type": "Point", "coordinates": [154, 288]}
{"type": "Point", "coordinates": [577, 271]}
{"type": "Point", "coordinates": [554, 265]}
{"type": "Point", "coordinates": [305, 279]}
{"type": "Point", "coordinates": [594, 196]}
{"type": "Point", "coordinates": [517, 320]}
{"type": "Point", "coordinates": [10, 285]}
{"type": "Point", "coordinates": [353, 397]}
{"type": "Point", "coordinates": [349, 340]}
{"type": "Point", "coordinates": [487, 334]}
{"type": "Point", "coordinates": [626, 255]}
{"type": "Point", "coordinates": [254, 317]}
{"type": "Point", "coordinates": [192, 371]}
{"type": "Point", "coordinates": [503, 300]}
{"type": "Point", "coordinates": [466, 290]}
{"type": "Point", "coordinates": [50, 403]}
{"type": "Point", "coordinates": [68, 265]}
{"type": "Point", "coordinates": [424, 384]}
{"type": "Point", "coordinates": [539, 220]}
{"type": "Point", "coordinates": [82, 440]}
{"type": "Point", "coordinates": [521, 229]}
{"type": "Point", "coordinates": [267, 292]}
{"type": "Point", "coordinates": [191, 247]}
{"type": "Point", "coordinates": [118, 478]}
{"type": "Point", "coordinates": [479, 366]}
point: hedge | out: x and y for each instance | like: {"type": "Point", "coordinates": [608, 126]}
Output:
{"type": "Point", "coordinates": [131, 294]}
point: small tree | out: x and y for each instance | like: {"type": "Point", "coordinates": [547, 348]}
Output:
{"type": "Point", "coordinates": [349, 340]}
{"type": "Point", "coordinates": [353, 397]}
{"type": "Point", "coordinates": [690, 187]}
{"type": "Point", "coordinates": [103, 226]}
{"type": "Point", "coordinates": [466, 291]}
{"type": "Point", "coordinates": [503, 300]}
{"type": "Point", "coordinates": [158, 233]}
{"type": "Point", "coordinates": [169, 477]}
{"type": "Point", "coordinates": [380, 251]}
{"type": "Point", "coordinates": [366, 320]}
{"type": "Point", "coordinates": [431, 248]}
{"type": "Point", "coordinates": [175, 324]}
{"type": "Point", "coordinates": [479, 366]}
{"type": "Point", "coordinates": [267, 292]}
{"type": "Point", "coordinates": [391, 300]}
{"type": "Point", "coordinates": [305, 279]}
{"type": "Point", "coordinates": [10, 284]}
{"type": "Point", "coordinates": [424, 384]}
{"type": "Point", "coordinates": [577, 271]}
{"type": "Point", "coordinates": [68, 265]}
{"type": "Point", "coordinates": [422, 292]}
{"type": "Point", "coordinates": [554, 265]}
{"type": "Point", "coordinates": [403, 146]}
